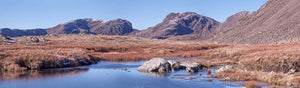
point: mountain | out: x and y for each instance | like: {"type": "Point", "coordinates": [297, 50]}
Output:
{"type": "Point", "coordinates": [88, 26]}
{"type": "Point", "coordinates": [181, 24]}
{"type": "Point", "coordinates": [92, 26]}
{"type": "Point", "coordinates": [18, 32]}
{"type": "Point", "coordinates": [277, 21]}
{"type": "Point", "coordinates": [220, 27]}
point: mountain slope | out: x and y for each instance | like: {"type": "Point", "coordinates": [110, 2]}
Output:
{"type": "Point", "coordinates": [88, 26]}
{"type": "Point", "coordinates": [277, 21]}
{"type": "Point", "coordinates": [230, 21]}
{"type": "Point", "coordinates": [91, 26]}
{"type": "Point", "coordinates": [179, 24]}
{"type": "Point", "coordinates": [18, 32]}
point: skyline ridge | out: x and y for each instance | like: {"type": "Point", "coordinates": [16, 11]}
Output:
{"type": "Point", "coordinates": [32, 14]}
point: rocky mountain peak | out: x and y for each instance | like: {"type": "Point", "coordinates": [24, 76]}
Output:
{"type": "Point", "coordinates": [174, 18]}
{"type": "Point", "coordinates": [178, 24]}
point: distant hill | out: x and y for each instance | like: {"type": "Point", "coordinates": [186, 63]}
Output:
{"type": "Point", "coordinates": [18, 32]}
{"type": "Point", "coordinates": [277, 21]}
{"type": "Point", "coordinates": [88, 26]}
{"type": "Point", "coordinates": [92, 26]}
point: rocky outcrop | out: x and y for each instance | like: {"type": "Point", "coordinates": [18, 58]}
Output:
{"type": "Point", "coordinates": [155, 65]}
{"type": "Point", "coordinates": [179, 24]}
{"type": "Point", "coordinates": [190, 67]}
{"type": "Point", "coordinates": [35, 39]}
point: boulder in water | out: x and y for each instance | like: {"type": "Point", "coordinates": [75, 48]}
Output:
{"type": "Point", "coordinates": [155, 65]}
{"type": "Point", "coordinates": [190, 67]}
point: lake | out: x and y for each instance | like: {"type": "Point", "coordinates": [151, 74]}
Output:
{"type": "Point", "coordinates": [109, 75]}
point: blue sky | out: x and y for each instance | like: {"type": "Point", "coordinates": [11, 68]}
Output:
{"type": "Point", "coordinates": [27, 14]}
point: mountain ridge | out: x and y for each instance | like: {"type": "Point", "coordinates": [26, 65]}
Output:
{"type": "Point", "coordinates": [276, 22]}
{"type": "Point", "coordinates": [77, 26]}
{"type": "Point", "coordinates": [178, 24]}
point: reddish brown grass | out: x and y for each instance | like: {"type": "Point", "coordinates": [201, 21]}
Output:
{"type": "Point", "coordinates": [76, 50]}
{"type": "Point", "coordinates": [267, 58]}
{"type": "Point", "coordinates": [252, 84]}
{"type": "Point", "coordinates": [79, 50]}
{"type": "Point", "coordinates": [268, 77]}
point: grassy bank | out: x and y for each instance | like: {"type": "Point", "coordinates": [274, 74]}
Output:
{"type": "Point", "coordinates": [274, 64]}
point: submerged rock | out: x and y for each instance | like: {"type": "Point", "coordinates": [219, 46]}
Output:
{"type": "Point", "coordinates": [227, 79]}
{"type": "Point", "coordinates": [190, 67]}
{"type": "Point", "coordinates": [155, 65]}
{"type": "Point", "coordinates": [125, 69]}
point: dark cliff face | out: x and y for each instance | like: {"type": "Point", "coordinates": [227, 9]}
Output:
{"type": "Point", "coordinates": [179, 24]}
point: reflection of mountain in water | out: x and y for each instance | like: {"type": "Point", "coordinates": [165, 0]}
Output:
{"type": "Point", "coordinates": [41, 74]}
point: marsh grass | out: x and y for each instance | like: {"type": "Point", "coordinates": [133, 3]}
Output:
{"type": "Point", "coordinates": [75, 50]}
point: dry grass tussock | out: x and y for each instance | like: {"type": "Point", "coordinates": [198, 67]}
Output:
{"type": "Point", "coordinates": [266, 58]}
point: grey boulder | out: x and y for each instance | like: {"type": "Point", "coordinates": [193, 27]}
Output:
{"type": "Point", "coordinates": [159, 65]}
{"type": "Point", "coordinates": [174, 64]}
{"type": "Point", "coordinates": [190, 67]}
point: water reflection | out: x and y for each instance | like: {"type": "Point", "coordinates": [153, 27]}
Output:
{"type": "Point", "coordinates": [29, 75]}
{"type": "Point", "coordinates": [108, 75]}
{"type": "Point", "coordinates": [155, 74]}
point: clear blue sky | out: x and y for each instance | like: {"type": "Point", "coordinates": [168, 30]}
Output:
{"type": "Point", "coordinates": [27, 14]}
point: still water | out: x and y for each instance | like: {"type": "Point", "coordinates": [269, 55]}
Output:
{"type": "Point", "coordinates": [108, 75]}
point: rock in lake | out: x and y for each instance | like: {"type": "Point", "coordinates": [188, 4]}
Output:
{"type": "Point", "coordinates": [174, 64]}
{"type": "Point", "coordinates": [190, 67]}
{"type": "Point", "coordinates": [125, 69]}
{"type": "Point", "coordinates": [155, 65]}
